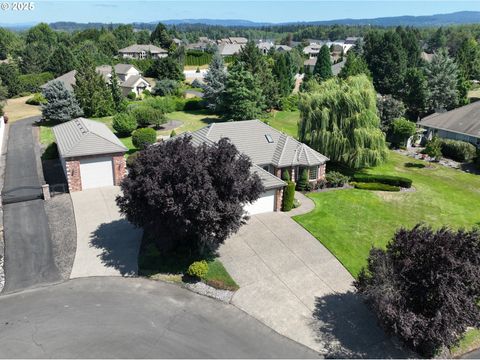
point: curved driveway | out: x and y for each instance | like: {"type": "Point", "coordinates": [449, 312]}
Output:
{"type": "Point", "coordinates": [132, 318]}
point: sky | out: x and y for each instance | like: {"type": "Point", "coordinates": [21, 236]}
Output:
{"type": "Point", "coordinates": [126, 11]}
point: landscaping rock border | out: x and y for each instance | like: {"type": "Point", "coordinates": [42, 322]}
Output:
{"type": "Point", "coordinates": [206, 290]}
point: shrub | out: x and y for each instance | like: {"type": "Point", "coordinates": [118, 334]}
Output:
{"type": "Point", "coordinates": [37, 99]}
{"type": "Point", "coordinates": [288, 196]}
{"type": "Point", "coordinates": [124, 124]}
{"type": "Point", "coordinates": [198, 269]}
{"type": "Point", "coordinates": [336, 179]}
{"type": "Point", "coordinates": [198, 84]}
{"type": "Point", "coordinates": [424, 286]}
{"type": "Point", "coordinates": [32, 82]}
{"type": "Point", "coordinates": [194, 104]}
{"type": "Point", "coordinates": [290, 103]}
{"type": "Point", "coordinates": [165, 104]}
{"type": "Point", "coordinates": [302, 182]}
{"type": "Point", "coordinates": [131, 95]}
{"type": "Point", "coordinates": [146, 93]}
{"type": "Point", "coordinates": [167, 87]}
{"type": "Point", "coordinates": [131, 159]}
{"type": "Point", "coordinates": [141, 138]}
{"type": "Point", "coordinates": [321, 184]}
{"type": "Point", "coordinates": [402, 129]}
{"type": "Point", "coordinates": [173, 133]}
{"type": "Point", "coordinates": [286, 175]}
{"type": "Point", "coordinates": [146, 115]}
{"type": "Point", "coordinates": [458, 150]}
{"type": "Point", "coordinates": [384, 179]}
{"type": "Point", "coordinates": [375, 186]}
{"type": "Point", "coordinates": [433, 148]}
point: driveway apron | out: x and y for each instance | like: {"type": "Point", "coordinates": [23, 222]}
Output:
{"type": "Point", "coordinates": [28, 249]}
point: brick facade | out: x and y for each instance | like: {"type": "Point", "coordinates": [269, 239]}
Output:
{"type": "Point", "coordinates": [278, 199]}
{"type": "Point", "coordinates": [74, 177]}
{"type": "Point", "coordinates": [294, 169]}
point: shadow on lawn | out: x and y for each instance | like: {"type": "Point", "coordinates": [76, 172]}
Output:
{"type": "Point", "coordinates": [348, 329]}
{"type": "Point", "coordinates": [120, 243]}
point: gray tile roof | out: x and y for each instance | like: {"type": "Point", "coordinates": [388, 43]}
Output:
{"type": "Point", "coordinates": [463, 120]}
{"type": "Point", "coordinates": [250, 138]}
{"type": "Point", "coordinates": [337, 67]}
{"type": "Point", "coordinates": [131, 80]}
{"type": "Point", "coordinates": [229, 49]}
{"type": "Point", "coordinates": [68, 79]}
{"type": "Point", "coordinates": [137, 48]}
{"type": "Point", "coordinates": [82, 137]}
{"type": "Point", "coordinates": [123, 68]}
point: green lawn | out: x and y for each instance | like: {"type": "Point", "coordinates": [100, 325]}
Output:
{"type": "Point", "coordinates": [350, 222]}
{"type": "Point", "coordinates": [285, 121]}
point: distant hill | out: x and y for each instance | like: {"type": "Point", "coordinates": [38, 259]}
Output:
{"type": "Point", "coordinates": [457, 18]}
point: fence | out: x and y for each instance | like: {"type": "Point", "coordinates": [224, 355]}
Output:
{"type": "Point", "coordinates": [2, 131]}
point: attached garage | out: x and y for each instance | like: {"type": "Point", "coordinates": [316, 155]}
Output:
{"type": "Point", "coordinates": [91, 155]}
{"type": "Point", "coordinates": [265, 203]}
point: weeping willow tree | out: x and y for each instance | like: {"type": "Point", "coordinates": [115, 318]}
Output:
{"type": "Point", "coordinates": [339, 119]}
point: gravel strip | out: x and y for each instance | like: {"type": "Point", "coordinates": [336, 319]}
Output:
{"type": "Point", "coordinates": [61, 220]}
{"type": "Point", "coordinates": [204, 289]}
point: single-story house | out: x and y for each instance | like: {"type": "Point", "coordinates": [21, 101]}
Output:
{"type": "Point", "coordinates": [272, 152]}
{"type": "Point", "coordinates": [233, 40]}
{"type": "Point", "coordinates": [462, 124]}
{"type": "Point", "coordinates": [129, 78]}
{"type": "Point", "coordinates": [265, 46]}
{"type": "Point", "coordinates": [139, 51]}
{"type": "Point", "coordinates": [91, 155]}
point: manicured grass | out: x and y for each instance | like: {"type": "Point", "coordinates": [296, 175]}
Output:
{"type": "Point", "coordinates": [286, 121]}
{"type": "Point", "coordinates": [17, 109]}
{"type": "Point", "coordinates": [469, 342]}
{"type": "Point", "coordinates": [173, 265]}
{"type": "Point", "coordinates": [349, 222]}
{"type": "Point", "coordinates": [192, 120]}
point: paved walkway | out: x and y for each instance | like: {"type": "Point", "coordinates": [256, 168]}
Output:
{"type": "Point", "coordinates": [293, 284]}
{"type": "Point", "coordinates": [110, 317]}
{"type": "Point", "coordinates": [29, 259]}
{"type": "Point", "coordinates": [107, 244]}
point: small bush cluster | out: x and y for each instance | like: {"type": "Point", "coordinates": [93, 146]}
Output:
{"type": "Point", "coordinates": [198, 269]}
{"type": "Point", "coordinates": [36, 99]}
{"type": "Point", "coordinates": [375, 186]}
{"type": "Point", "coordinates": [383, 179]}
{"type": "Point", "coordinates": [290, 103]}
{"type": "Point", "coordinates": [124, 124]}
{"type": "Point", "coordinates": [132, 96]}
{"type": "Point", "coordinates": [458, 150]}
{"type": "Point", "coordinates": [141, 138]}
{"type": "Point", "coordinates": [147, 115]}
{"type": "Point", "coordinates": [167, 87]}
{"type": "Point", "coordinates": [336, 179]}
{"type": "Point", "coordinates": [288, 196]}
{"type": "Point", "coordinates": [302, 182]}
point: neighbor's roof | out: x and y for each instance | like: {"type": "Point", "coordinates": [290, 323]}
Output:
{"type": "Point", "coordinates": [136, 48]}
{"type": "Point", "coordinates": [251, 138]}
{"type": "Point", "coordinates": [426, 56]}
{"type": "Point", "coordinates": [124, 68]}
{"type": "Point", "coordinates": [238, 40]}
{"type": "Point", "coordinates": [229, 49]}
{"type": "Point", "coordinates": [132, 80]}
{"type": "Point", "coordinates": [68, 79]}
{"type": "Point", "coordinates": [338, 66]}
{"type": "Point", "coordinates": [463, 120]}
{"type": "Point", "coordinates": [283, 48]}
{"type": "Point", "coordinates": [82, 137]}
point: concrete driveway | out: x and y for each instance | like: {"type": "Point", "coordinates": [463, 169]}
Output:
{"type": "Point", "coordinates": [292, 283]}
{"type": "Point", "coordinates": [109, 317]}
{"type": "Point", "coordinates": [107, 244]}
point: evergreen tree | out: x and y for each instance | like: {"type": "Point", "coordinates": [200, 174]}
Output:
{"type": "Point", "coordinates": [252, 58]}
{"type": "Point", "coordinates": [10, 77]}
{"type": "Point", "coordinates": [468, 59]}
{"type": "Point", "coordinates": [117, 96]}
{"type": "Point", "coordinates": [161, 37]}
{"type": "Point", "coordinates": [438, 40]}
{"type": "Point", "coordinates": [284, 71]}
{"type": "Point", "coordinates": [354, 65]}
{"type": "Point", "coordinates": [411, 44]}
{"type": "Point", "coordinates": [61, 61]}
{"type": "Point", "coordinates": [442, 74]}
{"type": "Point", "coordinates": [387, 60]}
{"type": "Point", "coordinates": [61, 104]}
{"type": "Point", "coordinates": [323, 67]}
{"type": "Point", "coordinates": [415, 93]}
{"type": "Point", "coordinates": [242, 98]}
{"type": "Point", "coordinates": [166, 68]}
{"type": "Point", "coordinates": [91, 91]}
{"type": "Point", "coordinates": [339, 119]}
{"type": "Point", "coordinates": [215, 80]}
{"type": "Point", "coordinates": [389, 109]}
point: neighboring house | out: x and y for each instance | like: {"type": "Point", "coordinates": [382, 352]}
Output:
{"type": "Point", "coordinates": [137, 51]}
{"type": "Point", "coordinates": [265, 46]}
{"type": "Point", "coordinates": [202, 44]}
{"type": "Point", "coordinates": [229, 49]}
{"type": "Point", "coordinates": [129, 78]}
{"type": "Point", "coordinates": [91, 155]}
{"type": "Point", "coordinates": [233, 40]}
{"type": "Point", "coordinates": [462, 124]}
{"type": "Point", "coordinates": [283, 48]}
{"type": "Point", "coordinates": [271, 151]}
{"type": "Point", "coordinates": [310, 65]}
{"type": "Point", "coordinates": [336, 47]}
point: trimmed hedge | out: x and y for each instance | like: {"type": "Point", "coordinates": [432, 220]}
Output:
{"type": "Point", "coordinates": [383, 179]}
{"type": "Point", "coordinates": [375, 186]}
{"type": "Point", "coordinates": [288, 196]}
{"type": "Point", "coordinates": [458, 150]}
{"type": "Point", "coordinates": [143, 137]}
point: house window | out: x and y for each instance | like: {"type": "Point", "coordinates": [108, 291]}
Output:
{"type": "Point", "coordinates": [313, 173]}
{"type": "Point", "coordinates": [266, 168]}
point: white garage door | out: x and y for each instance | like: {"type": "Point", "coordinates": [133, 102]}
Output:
{"type": "Point", "coordinates": [96, 172]}
{"type": "Point", "coordinates": [265, 203]}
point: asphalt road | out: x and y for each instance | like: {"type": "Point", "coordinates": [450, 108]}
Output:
{"type": "Point", "coordinates": [132, 318]}
{"type": "Point", "coordinates": [28, 249]}
{"type": "Point", "coordinates": [472, 355]}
